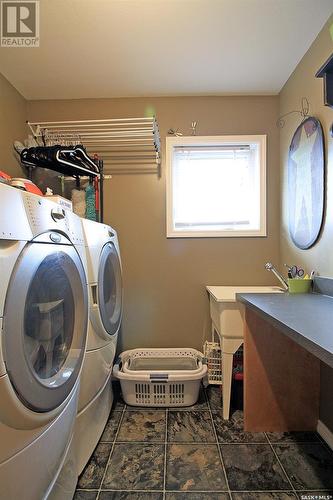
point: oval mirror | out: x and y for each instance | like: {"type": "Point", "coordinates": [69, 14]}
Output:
{"type": "Point", "coordinates": [306, 183]}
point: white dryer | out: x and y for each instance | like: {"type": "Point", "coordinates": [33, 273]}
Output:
{"type": "Point", "coordinates": [105, 313]}
{"type": "Point", "coordinates": [43, 316]}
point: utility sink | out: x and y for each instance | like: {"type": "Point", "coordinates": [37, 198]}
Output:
{"type": "Point", "coordinates": [228, 318]}
{"type": "Point", "coordinates": [227, 314]}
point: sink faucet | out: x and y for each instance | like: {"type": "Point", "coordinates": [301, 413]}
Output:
{"type": "Point", "coordinates": [269, 266]}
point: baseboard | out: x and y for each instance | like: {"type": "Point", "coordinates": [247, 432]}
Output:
{"type": "Point", "coordinates": [325, 433]}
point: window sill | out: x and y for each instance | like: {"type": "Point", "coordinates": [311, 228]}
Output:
{"type": "Point", "coordinates": [216, 234]}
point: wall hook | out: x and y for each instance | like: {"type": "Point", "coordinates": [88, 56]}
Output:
{"type": "Point", "coordinates": [304, 112]}
{"type": "Point", "coordinates": [193, 127]}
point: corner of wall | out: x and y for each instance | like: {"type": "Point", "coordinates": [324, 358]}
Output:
{"type": "Point", "coordinates": [12, 125]}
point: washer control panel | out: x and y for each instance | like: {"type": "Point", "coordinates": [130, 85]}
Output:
{"type": "Point", "coordinates": [45, 215]}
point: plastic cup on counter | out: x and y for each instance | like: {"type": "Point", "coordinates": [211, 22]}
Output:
{"type": "Point", "coordinates": [297, 285]}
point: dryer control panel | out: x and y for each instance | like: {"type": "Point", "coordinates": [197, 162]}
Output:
{"type": "Point", "coordinates": [97, 234]}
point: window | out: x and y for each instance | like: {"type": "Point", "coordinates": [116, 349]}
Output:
{"type": "Point", "coordinates": [216, 186]}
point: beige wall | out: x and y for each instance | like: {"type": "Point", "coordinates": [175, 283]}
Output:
{"type": "Point", "coordinates": [303, 83]}
{"type": "Point", "coordinates": [164, 279]}
{"type": "Point", "coordinates": [12, 125]}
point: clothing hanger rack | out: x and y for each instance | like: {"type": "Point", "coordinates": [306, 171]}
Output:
{"type": "Point", "coordinates": [127, 145]}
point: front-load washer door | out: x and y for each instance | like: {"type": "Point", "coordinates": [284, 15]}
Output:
{"type": "Point", "coordinates": [45, 324]}
{"type": "Point", "coordinates": [110, 289]}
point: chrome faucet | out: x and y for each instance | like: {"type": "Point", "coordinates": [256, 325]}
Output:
{"type": "Point", "coordinates": [269, 266]}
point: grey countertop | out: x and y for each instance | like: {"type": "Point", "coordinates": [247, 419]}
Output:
{"type": "Point", "coordinates": [305, 318]}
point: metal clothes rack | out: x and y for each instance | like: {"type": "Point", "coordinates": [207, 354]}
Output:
{"type": "Point", "coordinates": [126, 145]}
{"type": "Point", "coordinates": [122, 145]}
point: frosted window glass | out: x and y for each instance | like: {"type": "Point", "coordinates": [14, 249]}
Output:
{"type": "Point", "coordinates": [216, 188]}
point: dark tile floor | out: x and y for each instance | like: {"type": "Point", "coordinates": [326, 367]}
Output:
{"type": "Point", "coordinates": [193, 454]}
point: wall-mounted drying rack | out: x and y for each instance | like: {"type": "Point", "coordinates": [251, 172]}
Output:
{"type": "Point", "coordinates": [126, 145]}
{"type": "Point", "coordinates": [119, 145]}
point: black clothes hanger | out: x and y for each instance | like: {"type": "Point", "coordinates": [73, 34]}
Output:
{"type": "Point", "coordinates": [68, 160]}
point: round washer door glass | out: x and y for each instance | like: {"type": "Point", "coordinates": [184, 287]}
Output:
{"type": "Point", "coordinates": [45, 324]}
{"type": "Point", "coordinates": [110, 289]}
{"type": "Point", "coordinates": [49, 315]}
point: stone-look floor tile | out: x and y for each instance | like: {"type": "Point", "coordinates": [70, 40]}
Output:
{"type": "Point", "coordinates": [111, 427]}
{"type": "Point", "coordinates": [194, 467]}
{"type": "Point", "coordinates": [92, 475]}
{"type": "Point", "coordinates": [143, 426]}
{"type": "Point", "coordinates": [190, 426]}
{"type": "Point", "coordinates": [292, 437]}
{"type": "Point", "coordinates": [135, 467]}
{"type": "Point", "coordinates": [196, 496]}
{"type": "Point", "coordinates": [201, 404]}
{"type": "Point", "coordinates": [253, 467]}
{"type": "Point", "coordinates": [309, 466]}
{"type": "Point", "coordinates": [85, 495]}
{"type": "Point", "coordinates": [232, 431]}
{"type": "Point", "coordinates": [130, 495]}
{"type": "Point", "coordinates": [315, 495]}
{"type": "Point", "coordinates": [264, 495]}
{"type": "Point", "coordinates": [214, 396]}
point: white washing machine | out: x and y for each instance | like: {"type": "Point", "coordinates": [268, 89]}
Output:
{"type": "Point", "coordinates": [105, 313]}
{"type": "Point", "coordinates": [43, 328]}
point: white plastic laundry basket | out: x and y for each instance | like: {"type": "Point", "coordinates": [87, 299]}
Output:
{"type": "Point", "coordinates": [160, 377]}
{"type": "Point", "coordinates": [213, 354]}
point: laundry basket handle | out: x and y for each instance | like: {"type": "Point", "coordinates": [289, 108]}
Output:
{"type": "Point", "coordinates": [117, 366]}
{"type": "Point", "coordinates": [159, 377]}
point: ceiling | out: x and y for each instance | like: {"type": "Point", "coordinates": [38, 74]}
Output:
{"type": "Point", "coordinates": [122, 48]}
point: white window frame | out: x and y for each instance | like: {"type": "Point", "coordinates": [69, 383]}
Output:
{"type": "Point", "coordinates": [232, 140]}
